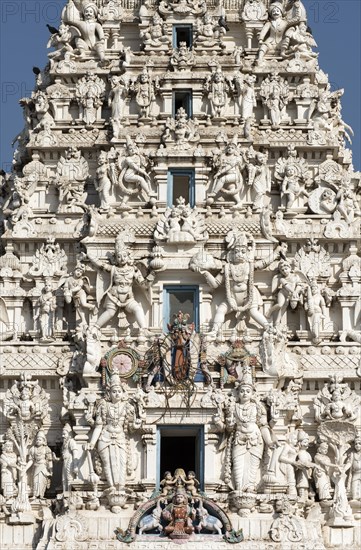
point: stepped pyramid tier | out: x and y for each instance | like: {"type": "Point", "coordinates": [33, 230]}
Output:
{"type": "Point", "coordinates": [180, 278]}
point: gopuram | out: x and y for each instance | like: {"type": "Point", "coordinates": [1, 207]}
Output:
{"type": "Point", "coordinates": [180, 278]}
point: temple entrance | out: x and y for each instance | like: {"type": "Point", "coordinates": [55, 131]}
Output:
{"type": "Point", "coordinates": [181, 447]}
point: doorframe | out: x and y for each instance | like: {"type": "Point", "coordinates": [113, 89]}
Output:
{"type": "Point", "coordinates": [196, 430]}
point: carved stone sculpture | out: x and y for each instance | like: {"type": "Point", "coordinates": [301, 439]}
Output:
{"type": "Point", "coordinates": [41, 462]}
{"type": "Point", "coordinates": [133, 176]}
{"type": "Point", "coordinates": [181, 133]}
{"type": "Point", "coordinates": [77, 289]}
{"type": "Point", "coordinates": [70, 463]}
{"type": "Point", "coordinates": [275, 95]}
{"type": "Point", "coordinates": [49, 261]}
{"type": "Point", "coordinates": [91, 32]}
{"type": "Point", "coordinates": [117, 291]}
{"type": "Point", "coordinates": [182, 58]}
{"type": "Point", "coordinates": [90, 91]}
{"type": "Point", "coordinates": [286, 528]}
{"type": "Point", "coordinates": [290, 286]}
{"type": "Point", "coordinates": [259, 179]}
{"type": "Point", "coordinates": [115, 419]}
{"type": "Point", "coordinates": [179, 224]}
{"type": "Point", "coordinates": [322, 472]}
{"type": "Point", "coordinates": [46, 312]}
{"type": "Point", "coordinates": [246, 420]}
{"type": "Point", "coordinates": [155, 36]}
{"type": "Point", "coordinates": [209, 33]}
{"type": "Point", "coordinates": [145, 89]}
{"type": "Point", "coordinates": [228, 178]}
{"type": "Point", "coordinates": [9, 470]}
{"type": "Point", "coordinates": [292, 173]}
{"type": "Point", "coordinates": [237, 275]}
{"type": "Point", "coordinates": [216, 88]}
{"type": "Point", "coordinates": [246, 100]}
{"type": "Point", "coordinates": [116, 100]}
{"type": "Point", "coordinates": [71, 173]}
{"type": "Point", "coordinates": [274, 37]}
{"type": "Point", "coordinates": [103, 183]}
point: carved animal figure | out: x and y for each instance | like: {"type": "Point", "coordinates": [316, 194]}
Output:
{"type": "Point", "coordinates": [206, 521]}
{"type": "Point", "coordinates": [151, 521]}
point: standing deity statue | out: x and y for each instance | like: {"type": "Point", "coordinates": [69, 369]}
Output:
{"type": "Point", "coordinates": [145, 89]}
{"type": "Point", "coordinates": [216, 88]}
{"type": "Point", "coordinates": [115, 418]}
{"type": "Point", "coordinates": [90, 32]}
{"type": "Point", "coordinates": [116, 100]}
{"type": "Point", "coordinates": [90, 92]}
{"type": "Point", "coordinates": [289, 285]}
{"type": "Point", "coordinates": [8, 469]}
{"type": "Point", "coordinates": [77, 289]}
{"type": "Point", "coordinates": [259, 179]}
{"type": "Point", "coordinates": [103, 183]}
{"type": "Point", "coordinates": [237, 275]}
{"type": "Point", "coordinates": [322, 472]}
{"type": "Point", "coordinates": [228, 177]}
{"type": "Point", "coordinates": [355, 471]}
{"type": "Point", "coordinates": [304, 467]}
{"type": "Point", "coordinates": [275, 95]}
{"type": "Point", "coordinates": [316, 304]}
{"type": "Point", "coordinates": [117, 288]}
{"type": "Point", "coordinates": [70, 463]}
{"type": "Point", "coordinates": [46, 311]}
{"type": "Point", "coordinates": [246, 100]}
{"type": "Point", "coordinates": [246, 421]}
{"type": "Point", "coordinates": [292, 173]}
{"type": "Point", "coordinates": [41, 461]}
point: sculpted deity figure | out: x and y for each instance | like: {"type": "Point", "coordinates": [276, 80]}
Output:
{"type": "Point", "coordinates": [90, 94]}
{"type": "Point", "coordinates": [91, 31]}
{"type": "Point", "coordinates": [71, 173]}
{"type": "Point", "coordinates": [304, 466]}
{"type": "Point", "coordinates": [259, 179]}
{"type": "Point", "coordinates": [70, 464]}
{"type": "Point", "coordinates": [47, 306]}
{"type": "Point", "coordinates": [322, 471]}
{"type": "Point", "coordinates": [336, 401]}
{"type": "Point", "coordinates": [179, 515]}
{"type": "Point", "coordinates": [313, 260]}
{"type": "Point", "coordinates": [275, 95]}
{"type": "Point", "coordinates": [145, 89]}
{"type": "Point", "coordinates": [246, 420]}
{"type": "Point", "coordinates": [181, 133]}
{"type": "Point", "coordinates": [8, 468]}
{"type": "Point", "coordinates": [133, 175]}
{"type": "Point", "coordinates": [216, 89]}
{"type": "Point", "coordinates": [115, 419]}
{"type": "Point", "coordinates": [289, 285]}
{"type": "Point", "coordinates": [246, 99]}
{"type": "Point", "coordinates": [228, 178]}
{"type": "Point", "coordinates": [116, 100]}
{"type": "Point", "coordinates": [103, 183]}
{"type": "Point", "coordinates": [167, 484]}
{"type": "Point", "coordinates": [355, 472]}
{"type": "Point", "coordinates": [273, 35]}
{"type": "Point", "coordinates": [316, 307]}
{"type": "Point", "coordinates": [182, 58]}
{"type": "Point", "coordinates": [41, 461]}
{"type": "Point", "coordinates": [155, 36]}
{"type": "Point", "coordinates": [77, 289]}
{"type": "Point", "coordinates": [118, 292]}
{"type": "Point", "coordinates": [237, 275]}
{"type": "Point", "coordinates": [209, 33]}
{"type": "Point", "coordinates": [292, 173]}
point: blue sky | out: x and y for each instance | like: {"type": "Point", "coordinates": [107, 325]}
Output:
{"type": "Point", "coordinates": [23, 37]}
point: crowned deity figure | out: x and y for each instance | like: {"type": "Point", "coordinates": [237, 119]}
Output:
{"type": "Point", "coordinates": [117, 288]}
{"type": "Point", "coordinates": [115, 418]}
